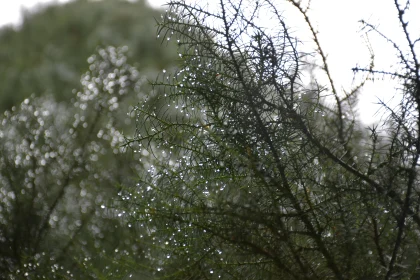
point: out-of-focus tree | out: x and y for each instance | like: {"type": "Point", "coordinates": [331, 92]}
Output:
{"type": "Point", "coordinates": [259, 176]}
{"type": "Point", "coordinates": [47, 54]}
{"type": "Point", "coordinates": [61, 166]}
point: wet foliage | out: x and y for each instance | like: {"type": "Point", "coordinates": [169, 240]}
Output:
{"type": "Point", "coordinates": [253, 174]}
{"type": "Point", "coordinates": [232, 167]}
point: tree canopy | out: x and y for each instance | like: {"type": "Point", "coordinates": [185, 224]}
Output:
{"type": "Point", "coordinates": [254, 174]}
{"type": "Point", "coordinates": [61, 160]}
{"type": "Point", "coordinates": [60, 167]}
{"type": "Point", "coordinates": [239, 168]}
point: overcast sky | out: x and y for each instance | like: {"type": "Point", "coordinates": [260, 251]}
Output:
{"type": "Point", "coordinates": [337, 21]}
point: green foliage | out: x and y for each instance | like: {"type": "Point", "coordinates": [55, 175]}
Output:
{"type": "Point", "coordinates": [47, 54]}
{"type": "Point", "coordinates": [253, 175]}
{"type": "Point", "coordinates": [60, 168]}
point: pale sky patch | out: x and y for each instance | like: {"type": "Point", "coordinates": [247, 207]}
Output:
{"type": "Point", "coordinates": [11, 10]}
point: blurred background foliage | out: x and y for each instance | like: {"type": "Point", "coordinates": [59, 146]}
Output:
{"type": "Point", "coordinates": [66, 95]}
{"type": "Point", "coordinates": [48, 52]}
